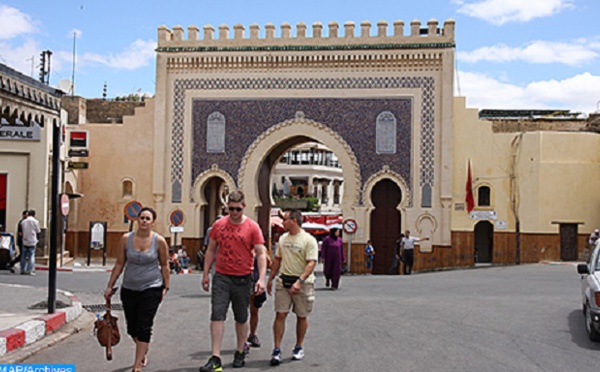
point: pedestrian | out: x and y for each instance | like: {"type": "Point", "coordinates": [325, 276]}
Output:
{"type": "Point", "coordinates": [7, 248]}
{"type": "Point", "coordinates": [593, 238]}
{"type": "Point", "coordinates": [408, 251]}
{"type": "Point", "coordinates": [295, 261]}
{"type": "Point", "coordinates": [239, 239]}
{"type": "Point", "coordinates": [333, 258]}
{"type": "Point", "coordinates": [256, 303]}
{"type": "Point", "coordinates": [31, 229]}
{"type": "Point", "coordinates": [143, 256]}
{"type": "Point", "coordinates": [184, 259]}
{"type": "Point", "coordinates": [19, 247]}
{"type": "Point", "coordinates": [202, 253]}
{"type": "Point", "coordinates": [369, 255]}
{"type": "Point", "coordinates": [397, 256]}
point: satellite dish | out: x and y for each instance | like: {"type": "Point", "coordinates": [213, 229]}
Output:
{"type": "Point", "coordinates": [65, 85]}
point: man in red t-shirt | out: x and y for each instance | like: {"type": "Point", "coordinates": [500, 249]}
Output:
{"type": "Point", "coordinates": [239, 239]}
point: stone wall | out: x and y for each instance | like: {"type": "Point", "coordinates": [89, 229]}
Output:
{"type": "Point", "coordinates": [97, 111]}
{"type": "Point", "coordinates": [101, 111]}
{"type": "Point", "coordinates": [529, 125]}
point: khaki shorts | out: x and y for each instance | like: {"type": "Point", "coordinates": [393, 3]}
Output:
{"type": "Point", "coordinates": [300, 303]}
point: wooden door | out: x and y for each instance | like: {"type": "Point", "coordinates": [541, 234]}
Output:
{"type": "Point", "coordinates": [385, 224]}
{"type": "Point", "coordinates": [484, 242]}
{"type": "Point", "coordinates": [568, 241]}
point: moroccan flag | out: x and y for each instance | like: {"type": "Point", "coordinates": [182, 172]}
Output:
{"type": "Point", "coordinates": [469, 198]}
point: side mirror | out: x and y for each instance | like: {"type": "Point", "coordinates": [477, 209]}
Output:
{"type": "Point", "coordinates": [582, 269]}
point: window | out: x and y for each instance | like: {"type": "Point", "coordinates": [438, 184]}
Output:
{"type": "Point", "coordinates": [483, 196]}
{"type": "Point", "coordinates": [385, 133]}
{"type": "Point", "coordinates": [215, 133]}
{"type": "Point", "coordinates": [127, 189]}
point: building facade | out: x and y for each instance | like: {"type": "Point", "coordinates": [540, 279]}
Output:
{"type": "Point", "coordinates": [28, 111]}
{"type": "Point", "coordinates": [228, 107]}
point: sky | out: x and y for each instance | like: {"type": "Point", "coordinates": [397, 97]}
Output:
{"type": "Point", "coordinates": [510, 54]}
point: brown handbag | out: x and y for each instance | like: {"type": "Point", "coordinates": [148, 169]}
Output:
{"type": "Point", "coordinates": [107, 331]}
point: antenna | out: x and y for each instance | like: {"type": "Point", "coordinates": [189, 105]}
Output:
{"type": "Point", "coordinates": [74, 55]}
{"type": "Point", "coordinates": [32, 59]}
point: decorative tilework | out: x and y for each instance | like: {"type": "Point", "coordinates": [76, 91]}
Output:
{"type": "Point", "coordinates": [426, 84]}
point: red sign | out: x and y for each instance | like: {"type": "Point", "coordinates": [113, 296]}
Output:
{"type": "Point", "coordinates": [64, 204]}
{"type": "Point", "coordinates": [176, 217]}
{"type": "Point", "coordinates": [132, 210]}
{"type": "Point", "coordinates": [350, 226]}
{"type": "Point", "coordinates": [78, 139]}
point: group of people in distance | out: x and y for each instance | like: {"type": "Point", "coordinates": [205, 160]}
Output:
{"type": "Point", "coordinates": [239, 279]}
{"type": "Point", "coordinates": [23, 252]}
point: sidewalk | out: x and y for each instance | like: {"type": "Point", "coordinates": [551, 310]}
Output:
{"type": "Point", "coordinates": [21, 326]}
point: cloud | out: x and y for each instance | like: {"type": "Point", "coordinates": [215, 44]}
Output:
{"type": "Point", "coordinates": [19, 57]}
{"type": "Point", "coordinates": [499, 12]}
{"type": "Point", "coordinates": [572, 54]}
{"type": "Point", "coordinates": [138, 54]}
{"type": "Point", "coordinates": [579, 93]}
{"type": "Point", "coordinates": [14, 23]}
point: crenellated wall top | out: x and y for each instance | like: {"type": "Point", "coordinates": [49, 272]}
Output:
{"type": "Point", "coordinates": [345, 37]}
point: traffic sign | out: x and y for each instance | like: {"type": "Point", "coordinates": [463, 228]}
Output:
{"type": "Point", "coordinates": [176, 217]}
{"type": "Point", "coordinates": [64, 204]}
{"type": "Point", "coordinates": [349, 226]}
{"type": "Point", "coordinates": [176, 229]}
{"type": "Point", "coordinates": [132, 210]}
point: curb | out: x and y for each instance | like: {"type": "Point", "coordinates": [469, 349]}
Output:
{"type": "Point", "coordinates": [75, 269]}
{"type": "Point", "coordinates": [33, 330]}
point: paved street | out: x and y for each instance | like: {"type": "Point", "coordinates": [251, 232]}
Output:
{"type": "Point", "coordinates": [518, 318]}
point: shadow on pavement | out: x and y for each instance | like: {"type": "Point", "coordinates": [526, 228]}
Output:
{"type": "Point", "coordinates": [578, 333]}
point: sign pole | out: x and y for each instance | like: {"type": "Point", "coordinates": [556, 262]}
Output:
{"type": "Point", "coordinates": [54, 217]}
{"type": "Point", "coordinates": [349, 250]}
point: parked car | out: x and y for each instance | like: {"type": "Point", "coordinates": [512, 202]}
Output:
{"type": "Point", "coordinates": [590, 292]}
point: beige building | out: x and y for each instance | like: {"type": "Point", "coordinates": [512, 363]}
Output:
{"type": "Point", "coordinates": [228, 106]}
{"type": "Point", "coordinates": [28, 110]}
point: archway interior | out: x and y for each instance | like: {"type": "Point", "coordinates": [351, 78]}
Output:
{"type": "Point", "coordinates": [215, 206]}
{"type": "Point", "coordinates": [270, 168]}
{"type": "Point", "coordinates": [385, 225]}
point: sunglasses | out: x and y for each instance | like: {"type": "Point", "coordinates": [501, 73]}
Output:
{"type": "Point", "coordinates": [237, 209]}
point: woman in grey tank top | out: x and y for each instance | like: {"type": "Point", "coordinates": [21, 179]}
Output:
{"type": "Point", "coordinates": [143, 256]}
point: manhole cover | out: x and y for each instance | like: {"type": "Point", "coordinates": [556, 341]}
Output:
{"type": "Point", "coordinates": [44, 305]}
{"type": "Point", "coordinates": [97, 308]}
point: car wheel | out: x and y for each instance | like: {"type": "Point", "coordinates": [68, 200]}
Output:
{"type": "Point", "coordinates": [589, 326]}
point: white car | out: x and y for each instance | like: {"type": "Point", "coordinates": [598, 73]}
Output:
{"type": "Point", "coordinates": [590, 291]}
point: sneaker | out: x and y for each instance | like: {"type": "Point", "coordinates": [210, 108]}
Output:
{"type": "Point", "coordinates": [238, 359]}
{"type": "Point", "coordinates": [213, 365]}
{"type": "Point", "coordinates": [254, 341]}
{"type": "Point", "coordinates": [298, 353]}
{"type": "Point", "coordinates": [276, 357]}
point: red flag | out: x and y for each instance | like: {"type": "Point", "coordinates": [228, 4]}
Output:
{"type": "Point", "coordinates": [469, 198]}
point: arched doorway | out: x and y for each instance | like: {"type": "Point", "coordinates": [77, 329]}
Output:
{"type": "Point", "coordinates": [215, 191]}
{"type": "Point", "coordinates": [484, 242]}
{"type": "Point", "coordinates": [268, 147]}
{"type": "Point", "coordinates": [385, 224]}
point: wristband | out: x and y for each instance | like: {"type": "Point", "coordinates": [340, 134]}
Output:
{"type": "Point", "coordinates": [301, 280]}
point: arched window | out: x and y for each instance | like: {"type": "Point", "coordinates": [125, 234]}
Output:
{"type": "Point", "coordinates": [215, 133]}
{"type": "Point", "coordinates": [385, 133]}
{"type": "Point", "coordinates": [127, 189]}
{"type": "Point", "coordinates": [483, 196]}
